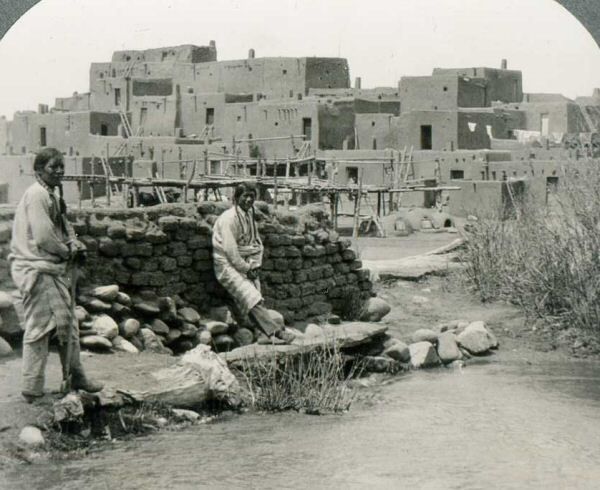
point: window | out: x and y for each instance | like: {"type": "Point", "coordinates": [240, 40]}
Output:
{"type": "Point", "coordinates": [143, 116]}
{"type": "Point", "coordinates": [210, 116]}
{"type": "Point", "coordinates": [284, 72]}
{"type": "Point", "coordinates": [493, 175]}
{"type": "Point", "coordinates": [374, 143]}
{"type": "Point", "coordinates": [118, 97]}
{"type": "Point", "coordinates": [103, 130]}
{"type": "Point", "coordinates": [457, 174]}
{"type": "Point", "coordinates": [352, 175]}
{"type": "Point", "coordinates": [445, 89]}
{"type": "Point", "coordinates": [43, 141]}
{"type": "Point", "coordinates": [307, 128]}
{"type": "Point", "coordinates": [426, 137]}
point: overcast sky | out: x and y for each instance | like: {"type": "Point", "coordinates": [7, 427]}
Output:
{"type": "Point", "coordinates": [47, 53]}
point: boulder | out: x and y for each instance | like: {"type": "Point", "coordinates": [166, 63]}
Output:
{"type": "Point", "coordinates": [5, 348]}
{"type": "Point", "coordinates": [243, 336]}
{"type": "Point", "coordinates": [447, 348]}
{"type": "Point", "coordinates": [216, 328]}
{"type": "Point", "coordinates": [186, 415]}
{"type": "Point", "coordinates": [152, 343]}
{"type": "Point", "coordinates": [106, 293]}
{"type": "Point", "coordinates": [120, 344]}
{"type": "Point", "coordinates": [379, 364]}
{"type": "Point", "coordinates": [374, 310]}
{"type": "Point", "coordinates": [159, 327]}
{"type": "Point", "coordinates": [96, 305]}
{"type": "Point", "coordinates": [31, 436]}
{"type": "Point", "coordinates": [95, 342]}
{"type": "Point", "coordinates": [81, 314]}
{"type": "Point", "coordinates": [123, 298]}
{"type": "Point", "coordinates": [334, 320]}
{"type": "Point", "coordinates": [173, 335]}
{"type": "Point", "coordinates": [221, 314]}
{"type": "Point", "coordinates": [189, 330]}
{"type": "Point", "coordinates": [189, 315]}
{"type": "Point", "coordinates": [457, 365]}
{"type": "Point", "coordinates": [277, 318]}
{"type": "Point", "coordinates": [128, 328]}
{"type": "Point", "coordinates": [146, 308]}
{"type": "Point", "coordinates": [425, 335]}
{"type": "Point", "coordinates": [119, 310]}
{"type": "Point", "coordinates": [419, 300]}
{"type": "Point", "coordinates": [477, 339]}
{"type": "Point", "coordinates": [423, 354]}
{"type": "Point", "coordinates": [223, 343]}
{"type": "Point", "coordinates": [397, 350]}
{"type": "Point", "coordinates": [105, 326]}
{"type": "Point", "coordinates": [137, 341]}
{"type": "Point", "coordinates": [204, 337]}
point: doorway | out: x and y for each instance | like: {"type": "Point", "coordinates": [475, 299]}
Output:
{"type": "Point", "coordinates": [426, 137]}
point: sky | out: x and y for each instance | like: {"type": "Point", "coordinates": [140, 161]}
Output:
{"type": "Point", "coordinates": [47, 53]}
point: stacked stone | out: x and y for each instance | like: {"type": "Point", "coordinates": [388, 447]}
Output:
{"type": "Point", "coordinates": [6, 216]}
{"type": "Point", "coordinates": [310, 274]}
{"type": "Point", "coordinates": [112, 320]}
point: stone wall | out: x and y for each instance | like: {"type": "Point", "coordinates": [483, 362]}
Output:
{"type": "Point", "coordinates": [307, 269]}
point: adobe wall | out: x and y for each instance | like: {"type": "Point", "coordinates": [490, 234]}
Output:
{"type": "Point", "coordinates": [306, 271]}
{"type": "Point", "coordinates": [428, 93]}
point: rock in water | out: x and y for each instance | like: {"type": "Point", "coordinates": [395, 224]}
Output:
{"type": "Point", "coordinates": [398, 351]}
{"type": "Point", "coordinates": [130, 327]}
{"type": "Point", "coordinates": [374, 310]}
{"type": "Point", "coordinates": [188, 415]}
{"type": "Point", "coordinates": [189, 315]}
{"type": "Point", "coordinates": [277, 318]}
{"type": "Point", "coordinates": [223, 343]}
{"type": "Point", "coordinates": [204, 337]}
{"type": "Point", "coordinates": [425, 335]}
{"type": "Point", "coordinates": [106, 293]}
{"type": "Point", "coordinates": [423, 354]}
{"type": "Point", "coordinates": [5, 348]}
{"type": "Point", "coordinates": [95, 342]}
{"type": "Point", "coordinates": [173, 335]}
{"type": "Point", "coordinates": [159, 327]}
{"type": "Point", "coordinates": [216, 328]}
{"type": "Point", "coordinates": [32, 436]}
{"type": "Point", "coordinates": [105, 326]}
{"type": "Point", "coordinates": [243, 336]}
{"type": "Point", "coordinates": [120, 344]}
{"type": "Point", "coordinates": [447, 348]}
{"type": "Point", "coordinates": [477, 339]}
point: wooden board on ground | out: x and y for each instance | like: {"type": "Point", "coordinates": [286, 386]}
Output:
{"type": "Point", "coordinates": [344, 336]}
{"type": "Point", "coordinates": [414, 268]}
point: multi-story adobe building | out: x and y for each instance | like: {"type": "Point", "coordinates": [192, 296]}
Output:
{"type": "Point", "coordinates": [178, 103]}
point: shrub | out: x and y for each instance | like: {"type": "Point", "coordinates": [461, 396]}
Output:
{"type": "Point", "coordinates": [314, 382]}
{"type": "Point", "coordinates": [546, 259]}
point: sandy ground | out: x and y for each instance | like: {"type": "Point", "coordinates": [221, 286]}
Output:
{"type": "Point", "coordinates": [414, 305]}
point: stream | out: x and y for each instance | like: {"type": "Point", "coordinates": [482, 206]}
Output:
{"type": "Point", "coordinates": [490, 425]}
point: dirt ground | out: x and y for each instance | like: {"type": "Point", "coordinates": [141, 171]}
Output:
{"type": "Point", "coordinates": [415, 305]}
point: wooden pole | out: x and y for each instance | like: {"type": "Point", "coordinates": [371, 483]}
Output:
{"type": "Point", "coordinates": [357, 204]}
{"type": "Point", "coordinates": [92, 197]}
{"type": "Point", "coordinates": [275, 184]}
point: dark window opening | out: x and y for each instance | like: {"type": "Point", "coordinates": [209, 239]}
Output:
{"type": "Point", "coordinates": [117, 97]}
{"type": "Point", "coordinates": [372, 123]}
{"type": "Point", "coordinates": [284, 72]}
{"type": "Point", "coordinates": [114, 73]}
{"type": "Point", "coordinates": [426, 137]}
{"type": "Point", "coordinates": [445, 89]}
{"type": "Point", "coordinates": [374, 143]}
{"type": "Point", "coordinates": [494, 175]}
{"type": "Point", "coordinates": [103, 130]}
{"type": "Point", "coordinates": [307, 128]}
{"type": "Point", "coordinates": [43, 141]}
{"type": "Point", "coordinates": [457, 174]}
{"type": "Point", "coordinates": [210, 116]}
{"type": "Point", "coordinates": [143, 116]}
{"type": "Point", "coordinates": [352, 175]}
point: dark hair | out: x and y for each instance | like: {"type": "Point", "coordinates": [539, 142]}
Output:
{"type": "Point", "coordinates": [44, 156]}
{"type": "Point", "coordinates": [243, 188]}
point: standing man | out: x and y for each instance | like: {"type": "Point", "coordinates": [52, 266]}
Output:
{"type": "Point", "coordinates": [237, 256]}
{"type": "Point", "coordinates": [42, 246]}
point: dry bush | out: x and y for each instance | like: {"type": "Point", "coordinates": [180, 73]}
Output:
{"type": "Point", "coordinates": [546, 259]}
{"type": "Point", "coordinates": [314, 382]}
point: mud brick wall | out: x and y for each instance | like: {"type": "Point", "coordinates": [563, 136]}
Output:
{"type": "Point", "coordinates": [307, 270]}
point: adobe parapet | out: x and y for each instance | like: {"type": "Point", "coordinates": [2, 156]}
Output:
{"type": "Point", "coordinates": [187, 53]}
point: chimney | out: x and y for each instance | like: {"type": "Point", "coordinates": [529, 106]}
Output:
{"type": "Point", "coordinates": [504, 64]}
{"type": "Point", "coordinates": [357, 82]}
{"type": "Point", "coordinates": [251, 54]}
{"type": "Point", "coordinates": [212, 44]}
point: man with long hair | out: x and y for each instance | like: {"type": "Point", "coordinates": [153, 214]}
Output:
{"type": "Point", "coordinates": [43, 245]}
{"type": "Point", "coordinates": [237, 256]}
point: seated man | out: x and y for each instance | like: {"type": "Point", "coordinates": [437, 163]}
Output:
{"type": "Point", "coordinates": [237, 256]}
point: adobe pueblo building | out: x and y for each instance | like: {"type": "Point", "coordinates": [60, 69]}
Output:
{"type": "Point", "coordinates": [178, 113]}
